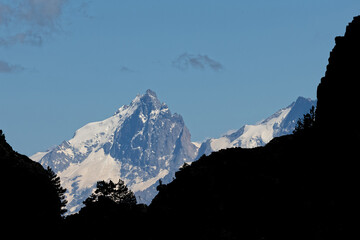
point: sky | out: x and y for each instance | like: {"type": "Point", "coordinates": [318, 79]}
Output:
{"type": "Point", "coordinates": [218, 63]}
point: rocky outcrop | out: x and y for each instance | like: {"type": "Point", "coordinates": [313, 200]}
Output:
{"type": "Point", "coordinates": [338, 92]}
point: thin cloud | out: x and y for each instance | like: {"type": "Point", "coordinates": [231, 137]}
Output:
{"type": "Point", "coordinates": [83, 10]}
{"type": "Point", "coordinates": [30, 21]}
{"type": "Point", "coordinates": [125, 69]}
{"type": "Point", "coordinates": [27, 37]}
{"type": "Point", "coordinates": [42, 13]}
{"type": "Point", "coordinates": [5, 67]}
{"type": "Point", "coordinates": [186, 61]}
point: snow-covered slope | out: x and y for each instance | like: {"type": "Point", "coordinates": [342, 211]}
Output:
{"type": "Point", "coordinates": [280, 123]}
{"type": "Point", "coordinates": [141, 143]}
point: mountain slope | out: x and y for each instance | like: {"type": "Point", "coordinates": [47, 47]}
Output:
{"type": "Point", "coordinates": [28, 197]}
{"type": "Point", "coordinates": [299, 186]}
{"type": "Point", "coordinates": [141, 143]}
{"type": "Point", "coordinates": [249, 136]}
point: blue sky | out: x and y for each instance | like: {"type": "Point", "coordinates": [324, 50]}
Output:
{"type": "Point", "coordinates": [220, 64]}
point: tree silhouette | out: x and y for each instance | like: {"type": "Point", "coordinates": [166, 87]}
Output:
{"type": "Point", "coordinates": [60, 191]}
{"type": "Point", "coordinates": [115, 192]}
{"type": "Point", "coordinates": [306, 123]}
{"type": "Point", "coordinates": [110, 212]}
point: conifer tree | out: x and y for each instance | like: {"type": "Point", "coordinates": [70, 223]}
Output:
{"type": "Point", "coordinates": [306, 123]}
{"type": "Point", "coordinates": [60, 191]}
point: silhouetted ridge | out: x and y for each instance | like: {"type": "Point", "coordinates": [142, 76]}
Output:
{"type": "Point", "coordinates": [299, 186]}
{"type": "Point", "coordinates": [338, 92]}
{"type": "Point", "coordinates": [28, 197]}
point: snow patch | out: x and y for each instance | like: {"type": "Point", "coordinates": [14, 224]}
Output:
{"type": "Point", "coordinates": [255, 135]}
{"type": "Point", "coordinates": [142, 117]}
{"type": "Point", "coordinates": [220, 143]}
{"type": "Point", "coordinates": [154, 114]}
{"type": "Point", "coordinates": [97, 166]}
{"type": "Point", "coordinates": [146, 184]}
{"type": "Point", "coordinates": [38, 156]}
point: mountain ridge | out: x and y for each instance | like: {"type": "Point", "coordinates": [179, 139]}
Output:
{"type": "Point", "coordinates": [280, 123]}
{"type": "Point", "coordinates": [141, 143]}
{"type": "Point", "coordinates": [144, 142]}
{"type": "Point", "coordinates": [298, 186]}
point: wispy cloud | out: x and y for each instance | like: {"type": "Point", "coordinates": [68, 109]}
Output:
{"type": "Point", "coordinates": [27, 37]}
{"type": "Point", "coordinates": [125, 69]}
{"type": "Point", "coordinates": [6, 67]}
{"type": "Point", "coordinates": [202, 62]}
{"type": "Point", "coordinates": [28, 21]}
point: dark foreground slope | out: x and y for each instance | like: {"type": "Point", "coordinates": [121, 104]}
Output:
{"type": "Point", "coordinates": [293, 188]}
{"type": "Point", "coordinates": [301, 186]}
{"type": "Point", "coordinates": [29, 201]}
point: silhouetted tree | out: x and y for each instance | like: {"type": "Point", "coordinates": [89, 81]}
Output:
{"type": "Point", "coordinates": [60, 191]}
{"type": "Point", "coordinates": [306, 123]}
{"type": "Point", "coordinates": [111, 211]}
{"type": "Point", "coordinates": [115, 192]}
{"type": "Point", "coordinates": [1, 135]}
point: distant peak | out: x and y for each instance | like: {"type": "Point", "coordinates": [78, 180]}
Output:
{"type": "Point", "coordinates": [149, 99]}
{"type": "Point", "coordinates": [150, 93]}
{"type": "Point", "coordinates": [302, 100]}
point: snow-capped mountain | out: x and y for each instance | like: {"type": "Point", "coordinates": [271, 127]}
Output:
{"type": "Point", "coordinates": [141, 143]}
{"type": "Point", "coordinates": [280, 123]}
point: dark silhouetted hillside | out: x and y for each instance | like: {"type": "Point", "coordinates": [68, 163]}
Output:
{"type": "Point", "coordinates": [30, 203]}
{"type": "Point", "coordinates": [338, 92]}
{"type": "Point", "coordinates": [300, 186]}
{"type": "Point", "coordinates": [110, 212]}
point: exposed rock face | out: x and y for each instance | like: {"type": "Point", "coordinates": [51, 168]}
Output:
{"type": "Point", "coordinates": [143, 143]}
{"type": "Point", "coordinates": [140, 144]}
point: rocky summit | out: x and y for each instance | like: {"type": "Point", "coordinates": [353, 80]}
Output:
{"type": "Point", "coordinates": [143, 142]}
{"type": "Point", "coordinates": [140, 144]}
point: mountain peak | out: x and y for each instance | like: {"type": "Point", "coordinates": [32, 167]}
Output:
{"type": "Point", "coordinates": [150, 92]}
{"type": "Point", "coordinates": [303, 99]}
{"type": "Point", "coordinates": [148, 99]}
{"type": "Point", "coordinates": [280, 123]}
{"type": "Point", "coordinates": [140, 144]}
